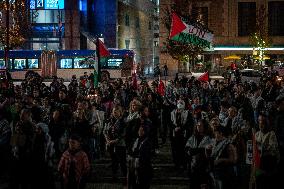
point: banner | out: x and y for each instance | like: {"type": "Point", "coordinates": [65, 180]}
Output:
{"type": "Point", "coordinates": [189, 33]}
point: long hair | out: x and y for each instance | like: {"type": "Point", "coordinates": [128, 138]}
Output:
{"type": "Point", "coordinates": [119, 109]}
{"type": "Point", "coordinates": [267, 124]}
{"type": "Point", "coordinates": [136, 102]}
{"type": "Point", "coordinates": [205, 127]}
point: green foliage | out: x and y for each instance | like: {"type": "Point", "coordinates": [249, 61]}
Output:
{"type": "Point", "coordinates": [260, 39]}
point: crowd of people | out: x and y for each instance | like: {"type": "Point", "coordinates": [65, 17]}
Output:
{"type": "Point", "coordinates": [226, 134]}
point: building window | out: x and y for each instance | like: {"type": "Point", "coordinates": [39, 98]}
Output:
{"type": "Point", "coordinates": [127, 20]}
{"type": "Point", "coordinates": [276, 18]}
{"type": "Point", "coordinates": [20, 64]}
{"type": "Point", "coordinates": [247, 18]}
{"type": "Point", "coordinates": [156, 27]}
{"type": "Point", "coordinates": [127, 43]}
{"type": "Point", "coordinates": [150, 25]}
{"type": "Point", "coordinates": [156, 43]}
{"type": "Point", "coordinates": [66, 63]}
{"type": "Point", "coordinates": [200, 15]}
{"type": "Point", "coordinates": [33, 63]}
{"type": "Point", "coordinates": [137, 22]}
{"type": "Point", "coordinates": [156, 35]}
{"type": "Point", "coordinates": [137, 43]}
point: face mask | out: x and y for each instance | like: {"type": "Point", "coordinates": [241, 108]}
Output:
{"type": "Point", "coordinates": [180, 106]}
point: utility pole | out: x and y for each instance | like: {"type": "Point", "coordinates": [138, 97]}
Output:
{"type": "Point", "coordinates": [7, 46]}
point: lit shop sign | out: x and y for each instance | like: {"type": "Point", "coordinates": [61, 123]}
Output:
{"type": "Point", "coordinates": [246, 49]}
{"type": "Point", "coordinates": [46, 4]}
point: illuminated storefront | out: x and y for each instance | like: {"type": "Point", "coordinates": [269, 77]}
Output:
{"type": "Point", "coordinates": [48, 24]}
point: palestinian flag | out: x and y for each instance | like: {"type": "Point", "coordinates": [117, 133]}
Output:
{"type": "Point", "coordinates": [204, 77]}
{"type": "Point", "coordinates": [188, 33]}
{"type": "Point", "coordinates": [103, 51]}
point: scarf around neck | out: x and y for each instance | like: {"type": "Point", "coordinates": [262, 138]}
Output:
{"type": "Point", "coordinates": [218, 148]}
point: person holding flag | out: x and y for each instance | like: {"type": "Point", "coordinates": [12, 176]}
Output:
{"type": "Point", "coordinates": [102, 52]}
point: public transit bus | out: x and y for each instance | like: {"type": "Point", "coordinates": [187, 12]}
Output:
{"type": "Point", "coordinates": [65, 63]}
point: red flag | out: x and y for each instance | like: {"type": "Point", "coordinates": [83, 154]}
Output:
{"type": "Point", "coordinates": [161, 88]}
{"type": "Point", "coordinates": [204, 77]}
{"type": "Point", "coordinates": [134, 81]}
{"type": "Point", "coordinates": [177, 25]}
{"type": "Point", "coordinates": [104, 52]}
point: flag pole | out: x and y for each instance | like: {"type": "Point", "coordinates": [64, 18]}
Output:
{"type": "Point", "coordinates": [97, 75]}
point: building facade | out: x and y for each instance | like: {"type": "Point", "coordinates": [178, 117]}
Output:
{"type": "Point", "coordinates": [123, 24]}
{"type": "Point", "coordinates": [137, 29]}
{"type": "Point", "coordinates": [54, 24]}
{"type": "Point", "coordinates": [233, 22]}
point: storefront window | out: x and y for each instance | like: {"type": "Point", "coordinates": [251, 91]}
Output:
{"type": "Point", "coordinates": [33, 64]}
{"type": "Point", "coordinates": [66, 63]}
{"type": "Point", "coordinates": [20, 64]}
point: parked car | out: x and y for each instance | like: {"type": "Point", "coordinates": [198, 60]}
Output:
{"type": "Point", "coordinates": [280, 69]}
{"type": "Point", "coordinates": [250, 75]}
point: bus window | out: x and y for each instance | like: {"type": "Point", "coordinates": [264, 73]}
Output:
{"type": "Point", "coordinates": [66, 63]}
{"type": "Point", "coordinates": [77, 65]}
{"type": "Point", "coordinates": [114, 63]}
{"type": "Point", "coordinates": [33, 64]}
{"type": "Point", "coordinates": [19, 64]}
{"type": "Point", "coordinates": [2, 63]}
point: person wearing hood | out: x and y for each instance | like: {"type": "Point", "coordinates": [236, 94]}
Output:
{"type": "Point", "coordinates": [181, 127]}
{"type": "Point", "coordinates": [141, 172]}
